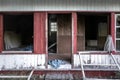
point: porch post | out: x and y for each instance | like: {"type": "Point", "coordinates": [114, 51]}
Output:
{"type": "Point", "coordinates": [74, 32]}
{"type": "Point", "coordinates": [113, 27]}
{"type": "Point", "coordinates": [1, 33]}
{"type": "Point", "coordinates": [40, 32]}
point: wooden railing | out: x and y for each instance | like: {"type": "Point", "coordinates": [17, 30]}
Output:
{"type": "Point", "coordinates": [100, 61]}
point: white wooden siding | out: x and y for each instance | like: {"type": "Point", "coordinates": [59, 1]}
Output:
{"type": "Point", "coordinates": [28, 61]}
{"type": "Point", "coordinates": [19, 61]}
{"type": "Point", "coordinates": [95, 59]}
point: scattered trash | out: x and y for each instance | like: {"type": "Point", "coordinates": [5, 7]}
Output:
{"type": "Point", "coordinates": [27, 48]}
{"type": "Point", "coordinates": [109, 46]}
{"type": "Point", "coordinates": [56, 63]}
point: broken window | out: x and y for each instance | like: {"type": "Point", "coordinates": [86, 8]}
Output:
{"type": "Point", "coordinates": [53, 26]}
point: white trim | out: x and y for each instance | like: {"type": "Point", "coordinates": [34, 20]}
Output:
{"type": "Point", "coordinates": [115, 30]}
{"type": "Point", "coordinates": [116, 39]}
{"type": "Point", "coordinates": [117, 26]}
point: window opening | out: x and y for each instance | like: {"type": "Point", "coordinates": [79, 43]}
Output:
{"type": "Point", "coordinates": [52, 34]}
{"type": "Point", "coordinates": [18, 32]}
{"type": "Point", "coordinates": [117, 32]}
{"type": "Point", "coordinates": [53, 26]}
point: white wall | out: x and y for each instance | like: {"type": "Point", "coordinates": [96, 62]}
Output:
{"type": "Point", "coordinates": [27, 61]}
{"type": "Point", "coordinates": [19, 61]}
{"type": "Point", "coordinates": [95, 59]}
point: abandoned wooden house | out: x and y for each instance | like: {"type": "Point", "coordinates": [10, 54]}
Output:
{"type": "Point", "coordinates": [80, 38]}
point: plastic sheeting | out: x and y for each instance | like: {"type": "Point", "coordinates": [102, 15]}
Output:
{"type": "Point", "coordinates": [56, 63]}
{"type": "Point", "coordinates": [11, 40]}
{"type": "Point", "coordinates": [109, 46]}
{"type": "Point", "coordinates": [27, 48]}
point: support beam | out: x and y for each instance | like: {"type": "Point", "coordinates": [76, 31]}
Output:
{"type": "Point", "coordinates": [1, 33]}
{"type": "Point", "coordinates": [74, 32]}
{"type": "Point", "coordinates": [113, 27]}
{"type": "Point", "coordinates": [40, 32]}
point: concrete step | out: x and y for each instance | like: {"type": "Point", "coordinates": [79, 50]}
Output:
{"type": "Point", "coordinates": [59, 76]}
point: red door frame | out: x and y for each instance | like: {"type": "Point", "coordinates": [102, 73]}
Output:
{"type": "Point", "coordinates": [112, 30]}
{"type": "Point", "coordinates": [74, 32]}
{"type": "Point", "coordinates": [1, 33]}
{"type": "Point", "coordinates": [40, 32]}
{"type": "Point", "coordinates": [74, 27]}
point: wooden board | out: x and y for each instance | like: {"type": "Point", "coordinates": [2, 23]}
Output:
{"type": "Point", "coordinates": [81, 34]}
{"type": "Point", "coordinates": [64, 37]}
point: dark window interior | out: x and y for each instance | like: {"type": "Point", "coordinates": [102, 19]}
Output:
{"type": "Point", "coordinates": [52, 34]}
{"type": "Point", "coordinates": [91, 26]}
{"type": "Point", "coordinates": [93, 35]}
{"type": "Point", "coordinates": [18, 32]}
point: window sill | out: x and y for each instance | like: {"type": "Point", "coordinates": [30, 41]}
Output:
{"type": "Point", "coordinates": [16, 51]}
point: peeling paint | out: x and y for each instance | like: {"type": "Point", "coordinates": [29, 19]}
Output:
{"type": "Point", "coordinates": [25, 61]}
{"type": "Point", "coordinates": [95, 59]}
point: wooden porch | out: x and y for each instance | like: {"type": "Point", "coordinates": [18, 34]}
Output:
{"type": "Point", "coordinates": [86, 65]}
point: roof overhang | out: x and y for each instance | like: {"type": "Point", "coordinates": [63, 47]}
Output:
{"type": "Point", "coordinates": [59, 5]}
